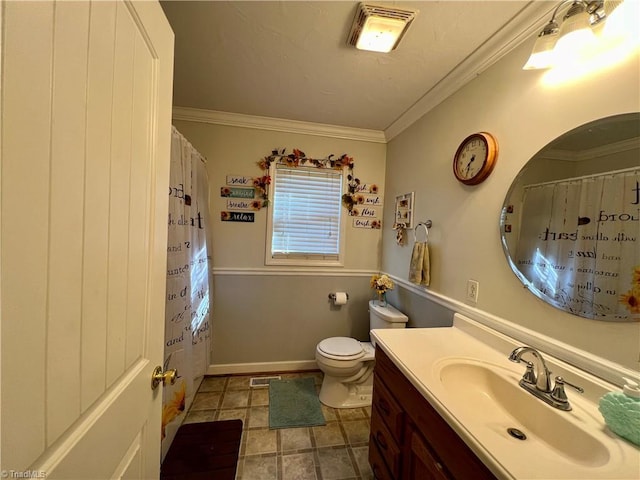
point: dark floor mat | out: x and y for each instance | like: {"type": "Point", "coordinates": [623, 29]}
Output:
{"type": "Point", "coordinates": [206, 450]}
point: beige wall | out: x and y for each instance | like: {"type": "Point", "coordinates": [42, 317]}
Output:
{"type": "Point", "coordinates": [267, 314]}
{"type": "Point", "coordinates": [524, 114]}
{"type": "Point", "coordinates": [252, 324]}
{"type": "Point", "coordinates": [236, 151]}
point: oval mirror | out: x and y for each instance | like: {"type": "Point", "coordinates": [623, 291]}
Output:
{"type": "Point", "coordinates": [571, 220]}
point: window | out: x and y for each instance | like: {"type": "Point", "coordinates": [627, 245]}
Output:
{"type": "Point", "coordinates": [305, 225]}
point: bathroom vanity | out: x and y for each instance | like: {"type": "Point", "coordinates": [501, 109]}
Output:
{"type": "Point", "coordinates": [409, 439]}
{"type": "Point", "coordinates": [447, 404]}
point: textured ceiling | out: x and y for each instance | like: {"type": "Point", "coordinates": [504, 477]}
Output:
{"type": "Point", "coordinates": [290, 60]}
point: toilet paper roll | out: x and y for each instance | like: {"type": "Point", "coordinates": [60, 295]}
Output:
{"type": "Point", "coordinates": [340, 299]}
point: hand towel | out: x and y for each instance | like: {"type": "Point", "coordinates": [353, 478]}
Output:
{"type": "Point", "coordinates": [419, 268]}
{"type": "Point", "coordinates": [426, 267]}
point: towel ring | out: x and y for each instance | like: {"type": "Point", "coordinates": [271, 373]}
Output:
{"type": "Point", "coordinates": [426, 226]}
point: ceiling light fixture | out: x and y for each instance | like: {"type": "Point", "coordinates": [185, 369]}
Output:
{"type": "Point", "coordinates": [378, 28]}
{"type": "Point", "coordinates": [575, 37]}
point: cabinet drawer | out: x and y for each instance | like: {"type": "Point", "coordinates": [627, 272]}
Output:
{"type": "Point", "coordinates": [378, 467]}
{"type": "Point", "coordinates": [423, 463]}
{"type": "Point", "coordinates": [388, 407]}
{"type": "Point", "coordinates": [387, 445]}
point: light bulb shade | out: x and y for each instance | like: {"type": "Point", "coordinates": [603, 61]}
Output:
{"type": "Point", "coordinates": [621, 21]}
{"type": "Point", "coordinates": [575, 38]}
{"type": "Point", "coordinates": [542, 55]}
{"type": "Point", "coordinates": [576, 20]}
{"type": "Point", "coordinates": [380, 34]}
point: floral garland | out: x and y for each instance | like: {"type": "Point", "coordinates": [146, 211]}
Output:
{"type": "Point", "coordinates": [298, 158]}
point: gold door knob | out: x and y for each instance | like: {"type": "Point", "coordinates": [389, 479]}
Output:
{"type": "Point", "coordinates": [159, 376]}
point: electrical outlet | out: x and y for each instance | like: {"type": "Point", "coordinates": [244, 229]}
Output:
{"type": "Point", "coordinates": [472, 291]}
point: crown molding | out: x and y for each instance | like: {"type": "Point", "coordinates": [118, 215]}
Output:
{"type": "Point", "coordinates": [518, 30]}
{"type": "Point", "coordinates": [622, 146]}
{"type": "Point", "coordinates": [277, 124]}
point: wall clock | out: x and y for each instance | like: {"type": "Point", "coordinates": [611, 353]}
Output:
{"type": "Point", "coordinates": [475, 158]}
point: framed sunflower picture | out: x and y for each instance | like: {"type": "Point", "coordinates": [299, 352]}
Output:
{"type": "Point", "coordinates": [404, 209]}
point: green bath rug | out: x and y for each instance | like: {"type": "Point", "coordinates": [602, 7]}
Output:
{"type": "Point", "coordinates": [294, 403]}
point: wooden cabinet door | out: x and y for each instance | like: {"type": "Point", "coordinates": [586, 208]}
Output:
{"type": "Point", "coordinates": [421, 464]}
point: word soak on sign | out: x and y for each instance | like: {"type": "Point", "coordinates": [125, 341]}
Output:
{"type": "Point", "coordinates": [239, 180]}
{"type": "Point", "coordinates": [244, 217]}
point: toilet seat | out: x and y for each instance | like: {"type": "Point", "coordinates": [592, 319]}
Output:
{"type": "Point", "coordinates": [341, 348]}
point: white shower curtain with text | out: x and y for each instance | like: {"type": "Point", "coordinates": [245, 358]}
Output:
{"type": "Point", "coordinates": [578, 244]}
{"type": "Point", "coordinates": [187, 300]}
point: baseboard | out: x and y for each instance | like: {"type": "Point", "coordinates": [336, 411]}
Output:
{"type": "Point", "coordinates": [262, 367]}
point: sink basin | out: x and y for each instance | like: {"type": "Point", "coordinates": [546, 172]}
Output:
{"type": "Point", "coordinates": [489, 397]}
{"type": "Point", "coordinates": [464, 373]}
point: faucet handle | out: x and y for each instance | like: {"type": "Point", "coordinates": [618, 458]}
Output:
{"type": "Point", "coordinates": [558, 392]}
{"type": "Point", "coordinates": [529, 375]}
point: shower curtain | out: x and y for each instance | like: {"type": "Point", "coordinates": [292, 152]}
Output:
{"type": "Point", "coordinates": [578, 244]}
{"type": "Point", "coordinates": [187, 300]}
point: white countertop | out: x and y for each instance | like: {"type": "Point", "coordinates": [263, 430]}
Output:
{"type": "Point", "coordinates": [421, 353]}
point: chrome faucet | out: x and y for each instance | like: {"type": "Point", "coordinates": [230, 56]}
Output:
{"type": "Point", "coordinates": [540, 373]}
{"type": "Point", "coordinates": [536, 379]}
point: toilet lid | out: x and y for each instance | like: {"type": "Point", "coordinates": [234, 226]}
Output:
{"type": "Point", "coordinates": [343, 347]}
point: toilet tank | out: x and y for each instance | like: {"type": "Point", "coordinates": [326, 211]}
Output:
{"type": "Point", "coordinates": [385, 317]}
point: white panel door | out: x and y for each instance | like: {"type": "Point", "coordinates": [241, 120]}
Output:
{"type": "Point", "coordinates": [85, 142]}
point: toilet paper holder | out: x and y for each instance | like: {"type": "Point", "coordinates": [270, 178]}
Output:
{"type": "Point", "coordinates": [332, 296]}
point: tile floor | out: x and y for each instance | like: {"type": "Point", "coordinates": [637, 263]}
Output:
{"type": "Point", "coordinates": [337, 450]}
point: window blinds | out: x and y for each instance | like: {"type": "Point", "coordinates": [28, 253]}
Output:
{"type": "Point", "coordinates": [306, 212]}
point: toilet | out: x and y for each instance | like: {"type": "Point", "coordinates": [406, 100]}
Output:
{"type": "Point", "coordinates": [348, 364]}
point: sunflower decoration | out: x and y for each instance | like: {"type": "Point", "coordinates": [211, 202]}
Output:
{"type": "Point", "coordinates": [258, 204]}
{"type": "Point", "coordinates": [264, 164]}
{"type": "Point", "coordinates": [260, 184]}
{"type": "Point", "coordinates": [631, 299]}
{"type": "Point", "coordinates": [174, 407]}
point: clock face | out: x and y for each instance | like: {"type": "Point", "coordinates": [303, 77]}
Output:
{"type": "Point", "coordinates": [471, 158]}
{"type": "Point", "coordinates": [475, 158]}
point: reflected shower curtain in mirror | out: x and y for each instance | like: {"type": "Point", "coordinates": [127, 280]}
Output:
{"type": "Point", "coordinates": [578, 244]}
{"type": "Point", "coordinates": [187, 300]}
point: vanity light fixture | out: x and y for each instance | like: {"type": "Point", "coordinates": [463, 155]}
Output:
{"type": "Point", "coordinates": [378, 28]}
{"type": "Point", "coordinates": [579, 32]}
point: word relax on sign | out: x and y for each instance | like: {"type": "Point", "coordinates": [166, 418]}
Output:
{"type": "Point", "coordinates": [246, 217]}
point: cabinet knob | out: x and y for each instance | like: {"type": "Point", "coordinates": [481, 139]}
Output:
{"type": "Point", "coordinates": [384, 406]}
{"type": "Point", "coordinates": [380, 440]}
